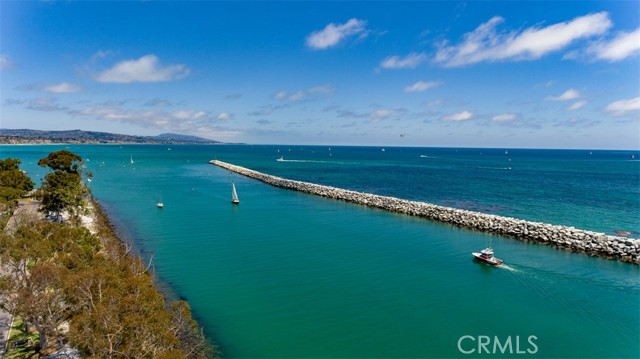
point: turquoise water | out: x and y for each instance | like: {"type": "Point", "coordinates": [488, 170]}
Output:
{"type": "Point", "coordinates": [288, 275]}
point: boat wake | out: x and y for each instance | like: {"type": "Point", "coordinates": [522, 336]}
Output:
{"type": "Point", "coordinates": [509, 268]}
{"type": "Point", "coordinates": [552, 287]}
{"type": "Point", "coordinates": [495, 168]}
{"type": "Point", "coordinates": [305, 161]}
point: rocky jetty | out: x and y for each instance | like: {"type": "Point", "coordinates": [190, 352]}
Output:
{"type": "Point", "coordinates": [569, 238]}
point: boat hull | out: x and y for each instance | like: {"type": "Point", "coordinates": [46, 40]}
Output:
{"type": "Point", "coordinates": [491, 261]}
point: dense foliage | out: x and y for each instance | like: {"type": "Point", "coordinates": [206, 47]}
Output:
{"type": "Point", "coordinates": [14, 183]}
{"type": "Point", "coordinates": [86, 288]}
{"type": "Point", "coordinates": [62, 190]}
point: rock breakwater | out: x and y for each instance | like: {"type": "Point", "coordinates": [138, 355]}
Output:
{"type": "Point", "coordinates": [569, 238]}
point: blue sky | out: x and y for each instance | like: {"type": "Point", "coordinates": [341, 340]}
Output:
{"type": "Point", "coordinates": [543, 74]}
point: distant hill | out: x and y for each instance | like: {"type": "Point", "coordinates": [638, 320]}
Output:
{"type": "Point", "coordinates": [24, 136]}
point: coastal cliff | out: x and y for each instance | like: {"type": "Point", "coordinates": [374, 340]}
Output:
{"type": "Point", "coordinates": [569, 238]}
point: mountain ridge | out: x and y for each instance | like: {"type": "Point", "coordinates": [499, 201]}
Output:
{"type": "Point", "coordinates": [28, 136]}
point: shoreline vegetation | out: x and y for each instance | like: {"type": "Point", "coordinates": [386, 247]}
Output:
{"type": "Point", "coordinates": [569, 238]}
{"type": "Point", "coordinates": [66, 273]}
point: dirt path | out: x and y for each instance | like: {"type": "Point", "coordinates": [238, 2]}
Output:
{"type": "Point", "coordinates": [27, 210]}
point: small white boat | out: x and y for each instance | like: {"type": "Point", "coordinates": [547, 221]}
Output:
{"type": "Point", "coordinates": [131, 157]}
{"type": "Point", "coordinates": [160, 204]}
{"type": "Point", "coordinates": [486, 256]}
{"type": "Point", "coordinates": [281, 159]}
{"type": "Point", "coordinates": [234, 194]}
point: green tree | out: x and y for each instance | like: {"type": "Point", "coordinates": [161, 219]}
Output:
{"type": "Point", "coordinates": [13, 182]}
{"type": "Point", "coordinates": [62, 160]}
{"type": "Point", "coordinates": [62, 189]}
{"type": "Point", "coordinates": [9, 164]}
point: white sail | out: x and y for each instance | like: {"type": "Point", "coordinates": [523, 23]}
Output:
{"type": "Point", "coordinates": [131, 159]}
{"type": "Point", "coordinates": [234, 194]}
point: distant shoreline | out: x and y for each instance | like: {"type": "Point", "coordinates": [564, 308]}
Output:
{"type": "Point", "coordinates": [48, 143]}
{"type": "Point", "coordinates": [575, 240]}
{"type": "Point", "coordinates": [20, 141]}
{"type": "Point", "coordinates": [27, 136]}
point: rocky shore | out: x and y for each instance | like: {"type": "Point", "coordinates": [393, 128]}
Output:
{"type": "Point", "coordinates": [569, 238]}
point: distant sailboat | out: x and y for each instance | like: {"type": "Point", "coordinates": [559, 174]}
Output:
{"type": "Point", "coordinates": [234, 194]}
{"type": "Point", "coordinates": [131, 159]}
{"type": "Point", "coordinates": [160, 204]}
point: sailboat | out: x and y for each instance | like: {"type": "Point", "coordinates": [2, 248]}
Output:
{"type": "Point", "coordinates": [234, 194]}
{"type": "Point", "coordinates": [131, 159]}
{"type": "Point", "coordinates": [160, 204]}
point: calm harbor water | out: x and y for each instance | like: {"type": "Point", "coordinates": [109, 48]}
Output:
{"type": "Point", "coordinates": [290, 275]}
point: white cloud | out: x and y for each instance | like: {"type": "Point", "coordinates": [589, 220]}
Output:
{"type": "Point", "coordinates": [46, 104]}
{"type": "Point", "coordinates": [225, 116]}
{"type": "Point", "coordinates": [111, 113]}
{"type": "Point", "coordinates": [505, 117]}
{"type": "Point", "coordinates": [486, 44]}
{"type": "Point", "coordinates": [188, 115]}
{"type": "Point", "coordinates": [4, 62]}
{"type": "Point", "coordinates": [621, 107]}
{"type": "Point", "coordinates": [101, 54]}
{"type": "Point", "coordinates": [333, 34]}
{"type": "Point", "coordinates": [577, 105]}
{"type": "Point", "coordinates": [216, 133]}
{"type": "Point", "coordinates": [323, 90]}
{"type": "Point", "coordinates": [63, 87]}
{"type": "Point", "coordinates": [177, 121]}
{"type": "Point", "coordinates": [318, 91]}
{"type": "Point", "coordinates": [621, 47]}
{"type": "Point", "coordinates": [158, 102]}
{"type": "Point", "coordinates": [268, 110]}
{"type": "Point", "coordinates": [422, 86]}
{"type": "Point", "coordinates": [299, 95]}
{"type": "Point", "coordinates": [280, 95]}
{"type": "Point", "coordinates": [144, 69]}
{"type": "Point", "coordinates": [408, 62]}
{"type": "Point", "coordinates": [381, 114]}
{"type": "Point", "coordinates": [570, 94]}
{"type": "Point", "coordinates": [460, 116]}
{"type": "Point", "coordinates": [374, 116]}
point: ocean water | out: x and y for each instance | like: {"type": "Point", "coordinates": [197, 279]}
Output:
{"type": "Point", "coordinates": [289, 275]}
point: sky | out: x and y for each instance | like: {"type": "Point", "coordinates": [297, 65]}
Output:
{"type": "Point", "coordinates": [504, 74]}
